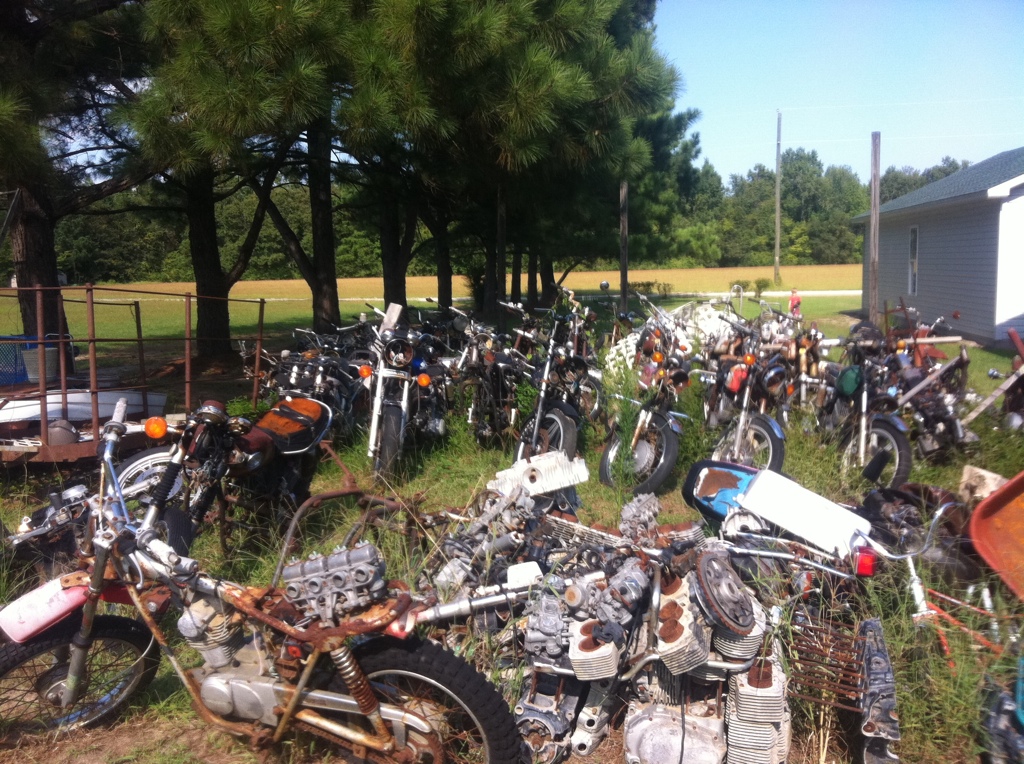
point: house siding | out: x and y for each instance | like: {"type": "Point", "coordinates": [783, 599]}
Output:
{"type": "Point", "coordinates": [1009, 311]}
{"type": "Point", "coordinates": [957, 253]}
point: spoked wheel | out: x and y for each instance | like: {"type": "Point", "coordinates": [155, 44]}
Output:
{"type": "Point", "coordinates": [557, 433]}
{"type": "Point", "coordinates": [654, 456]}
{"type": "Point", "coordinates": [470, 721]}
{"type": "Point", "coordinates": [882, 436]}
{"type": "Point", "coordinates": [139, 476]}
{"type": "Point", "coordinates": [759, 446]}
{"type": "Point", "coordinates": [121, 662]}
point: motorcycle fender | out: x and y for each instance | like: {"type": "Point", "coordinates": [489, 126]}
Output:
{"type": "Point", "coordinates": [773, 424]}
{"type": "Point", "coordinates": [41, 608]}
{"type": "Point", "coordinates": [566, 409]}
{"type": "Point", "coordinates": [892, 419]}
{"type": "Point", "coordinates": [673, 423]}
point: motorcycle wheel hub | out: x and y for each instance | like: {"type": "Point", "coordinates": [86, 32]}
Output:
{"type": "Point", "coordinates": [644, 456]}
{"type": "Point", "coordinates": [720, 592]}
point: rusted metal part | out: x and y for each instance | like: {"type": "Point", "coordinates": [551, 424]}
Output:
{"type": "Point", "coordinates": [293, 702]}
{"type": "Point", "coordinates": [826, 665]}
{"type": "Point", "coordinates": [250, 731]}
{"type": "Point", "coordinates": [359, 687]}
{"type": "Point", "coordinates": [323, 638]}
{"type": "Point", "coordinates": [24, 451]}
{"type": "Point", "coordinates": [347, 737]}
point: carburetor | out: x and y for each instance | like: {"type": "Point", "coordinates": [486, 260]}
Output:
{"type": "Point", "coordinates": [329, 586]}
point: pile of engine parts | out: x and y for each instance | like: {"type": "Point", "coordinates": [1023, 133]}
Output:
{"type": "Point", "coordinates": [685, 639]}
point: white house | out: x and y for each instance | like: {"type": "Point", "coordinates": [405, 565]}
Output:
{"type": "Point", "coordinates": [957, 244]}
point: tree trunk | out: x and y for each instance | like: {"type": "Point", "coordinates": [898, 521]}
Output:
{"type": "Point", "coordinates": [547, 281]}
{"type": "Point", "coordinates": [326, 313]}
{"type": "Point", "coordinates": [391, 253]}
{"type": "Point", "coordinates": [444, 268]}
{"type": "Point", "coordinates": [490, 305]}
{"type": "Point", "coordinates": [516, 294]}
{"type": "Point", "coordinates": [35, 258]}
{"type": "Point", "coordinates": [500, 256]}
{"type": "Point", "coordinates": [213, 323]}
{"type": "Point", "coordinates": [531, 279]}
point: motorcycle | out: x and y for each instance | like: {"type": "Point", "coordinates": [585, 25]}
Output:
{"type": "Point", "coordinates": [654, 441]}
{"type": "Point", "coordinates": [276, 659]}
{"type": "Point", "coordinates": [240, 470]}
{"type": "Point", "coordinates": [741, 394]}
{"type": "Point", "coordinates": [853, 404]}
{"type": "Point", "coordinates": [409, 387]}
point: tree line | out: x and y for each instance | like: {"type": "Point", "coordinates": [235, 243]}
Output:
{"type": "Point", "coordinates": [215, 141]}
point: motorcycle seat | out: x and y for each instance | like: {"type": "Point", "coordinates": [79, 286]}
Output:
{"type": "Point", "coordinates": [294, 425]}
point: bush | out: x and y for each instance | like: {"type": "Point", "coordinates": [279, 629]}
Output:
{"type": "Point", "coordinates": [643, 287]}
{"type": "Point", "coordinates": [742, 284]}
{"type": "Point", "coordinates": [664, 288]}
{"type": "Point", "coordinates": [760, 285]}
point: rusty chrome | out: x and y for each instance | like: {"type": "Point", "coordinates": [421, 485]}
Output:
{"type": "Point", "coordinates": [293, 703]}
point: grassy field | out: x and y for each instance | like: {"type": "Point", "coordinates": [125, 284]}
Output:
{"type": "Point", "coordinates": [939, 703]}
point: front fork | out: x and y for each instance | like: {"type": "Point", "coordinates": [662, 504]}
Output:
{"type": "Point", "coordinates": [862, 436]}
{"type": "Point", "coordinates": [378, 403]}
{"type": "Point", "coordinates": [82, 640]}
{"type": "Point", "coordinates": [741, 423]}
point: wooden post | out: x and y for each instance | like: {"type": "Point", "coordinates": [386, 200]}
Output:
{"type": "Point", "coordinates": [876, 152]}
{"type": "Point", "coordinates": [624, 245]}
{"type": "Point", "coordinates": [778, 198]}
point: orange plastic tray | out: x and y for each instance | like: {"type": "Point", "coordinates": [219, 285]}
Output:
{"type": "Point", "coordinates": [997, 530]}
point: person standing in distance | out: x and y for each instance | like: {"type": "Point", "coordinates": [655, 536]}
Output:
{"type": "Point", "coordinates": [794, 302]}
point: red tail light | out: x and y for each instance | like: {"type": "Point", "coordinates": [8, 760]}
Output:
{"type": "Point", "coordinates": [865, 561]}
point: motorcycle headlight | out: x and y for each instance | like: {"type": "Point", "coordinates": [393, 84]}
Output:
{"type": "Point", "coordinates": [774, 380]}
{"type": "Point", "coordinates": [212, 412]}
{"type": "Point", "coordinates": [398, 353]}
{"type": "Point", "coordinates": [559, 355]}
{"type": "Point", "coordinates": [239, 425]}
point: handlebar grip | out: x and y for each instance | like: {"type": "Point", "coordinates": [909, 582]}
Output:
{"type": "Point", "coordinates": [120, 410]}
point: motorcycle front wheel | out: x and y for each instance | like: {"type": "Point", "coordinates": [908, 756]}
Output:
{"type": "Point", "coordinates": [759, 446]}
{"type": "Point", "coordinates": [882, 436]}
{"type": "Point", "coordinates": [122, 661]}
{"type": "Point", "coordinates": [139, 476]}
{"type": "Point", "coordinates": [557, 433]}
{"type": "Point", "coordinates": [389, 444]}
{"type": "Point", "coordinates": [654, 456]}
{"type": "Point", "coordinates": [471, 721]}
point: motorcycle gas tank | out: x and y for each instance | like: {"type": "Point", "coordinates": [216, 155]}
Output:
{"type": "Point", "coordinates": [294, 426]}
{"type": "Point", "coordinates": [41, 608]}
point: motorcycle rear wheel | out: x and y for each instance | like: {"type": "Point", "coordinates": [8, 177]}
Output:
{"type": "Point", "coordinates": [471, 720]}
{"type": "Point", "coordinates": [655, 455]}
{"type": "Point", "coordinates": [122, 661]}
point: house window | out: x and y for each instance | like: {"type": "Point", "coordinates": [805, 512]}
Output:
{"type": "Point", "coordinates": [912, 275]}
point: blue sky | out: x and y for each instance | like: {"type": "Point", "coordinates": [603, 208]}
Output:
{"type": "Point", "coordinates": [935, 77]}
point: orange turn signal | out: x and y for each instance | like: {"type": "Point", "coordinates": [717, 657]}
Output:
{"type": "Point", "coordinates": [156, 427]}
{"type": "Point", "coordinates": [657, 356]}
{"type": "Point", "coordinates": [901, 345]}
{"type": "Point", "coordinates": [365, 371]}
{"type": "Point", "coordinates": [749, 359]}
{"type": "Point", "coordinates": [423, 380]}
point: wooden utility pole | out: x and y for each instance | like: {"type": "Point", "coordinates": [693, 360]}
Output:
{"type": "Point", "coordinates": [778, 198]}
{"type": "Point", "coordinates": [624, 245]}
{"type": "Point", "coordinates": [876, 152]}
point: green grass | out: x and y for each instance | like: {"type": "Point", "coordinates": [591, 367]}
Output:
{"type": "Point", "coordinates": [939, 706]}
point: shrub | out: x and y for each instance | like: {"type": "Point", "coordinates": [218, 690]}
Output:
{"type": "Point", "coordinates": [760, 285]}
{"type": "Point", "coordinates": [742, 284]}
{"type": "Point", "coordinates": [664, 288]}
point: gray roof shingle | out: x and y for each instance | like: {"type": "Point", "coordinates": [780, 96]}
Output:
{"type": "Point", "coordinates": [971, 180]}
